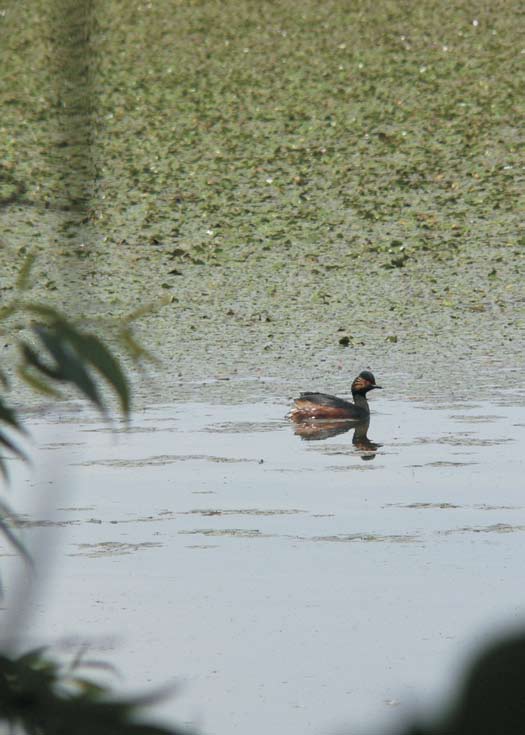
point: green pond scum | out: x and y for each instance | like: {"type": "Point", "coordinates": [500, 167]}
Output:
{"type": "Point", "coordinates": [315, 187]}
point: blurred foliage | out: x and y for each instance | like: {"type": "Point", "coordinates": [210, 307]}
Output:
{"type": "Point", "coordinates": [491, 699]}
{"type": "Point", "coordinates": [38, 696]}
{"type": "Point", "coordinates": [58, 353]}
{"type": "Point", "coordinates": [55, 355]}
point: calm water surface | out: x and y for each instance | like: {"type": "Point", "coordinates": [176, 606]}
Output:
{"type": "Point", "coordinates": [286, 582]}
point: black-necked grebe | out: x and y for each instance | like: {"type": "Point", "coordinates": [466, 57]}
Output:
{"type": "Point", "coordinates": [324, 406]}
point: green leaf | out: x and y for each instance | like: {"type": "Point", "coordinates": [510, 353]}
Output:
{"type": "Point", "coordinates": [37, 383]}
{"type": "Point", "coordinates": [89, 688]}
{"type": "Point", "coordinates": [8, 416]}
{"type": "Point", "coordinates": [11, 446]}
{"type": "Point", "coordinates": [90, 348]}
{"type": "Point", "coordinates": [69, 368]}
{"type": "Point", "coordinates": [95, 352]}
{"type": "Point", "coordinates": [31, 357]}
{"type": "Point", "coordinates": [73, 352]}
{"type": "Point", "coordinates": [47, 312]}
{"type": "Point", "coordinates": [14, 541]}
{"type": "Point", "coordinates": [3, 470]}
{"type": "Point", "coordinates": [34, 658]}
{"type": "Point", "coordinates": [38, 696]}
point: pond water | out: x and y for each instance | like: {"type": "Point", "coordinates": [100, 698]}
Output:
{"type": "Point", "coordinates": [284, 582]}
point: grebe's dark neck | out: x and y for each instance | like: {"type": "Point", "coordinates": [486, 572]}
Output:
{"type": "Point", "coordinates": [361, 403]}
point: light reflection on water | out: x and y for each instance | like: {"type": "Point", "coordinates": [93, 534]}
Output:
{"type": "Point", "coordinates": [290, 581]}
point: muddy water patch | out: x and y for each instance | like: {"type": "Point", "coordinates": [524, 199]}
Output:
{"type": "Point", "coordinates": [161, 460]}
{"type": "Point", "coordinates": [244, 427]}
{"type": "Point", "coordinates": [352, 468]}
{"type": "Point", "coordinates": [113, 548]}
{"type": "Point", "coordinates": [494, 528]}
{"type": "Point", "coordinates": [244, 512]}
{"type": "Point", "coordinates": [464, 440]}
{"type": "Point", "coordinates": [110, 430]}
{"type": "Point", "coordinates": [231, 532]}
{"type": "Point", "coordinates": [62, 445]}
{"type": "Point", "coordinates": [28, 523]}
{"type": "Point", "coordinates": [444, 463]}
{"type": "Point", "coordinates": [77, 509]}
{"type": "Point", "coordinates": [365, 537]}
{"type": "Point", "coordinates": [473, 419]}
{"type": "Point", "coordinates": [451, 506]}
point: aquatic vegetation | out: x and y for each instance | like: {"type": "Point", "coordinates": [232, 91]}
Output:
{"type": "Point", "coordinates": [341, 164]}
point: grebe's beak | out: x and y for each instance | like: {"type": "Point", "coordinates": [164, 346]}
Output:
{"type": "Point", "coordinates": [377, 386]}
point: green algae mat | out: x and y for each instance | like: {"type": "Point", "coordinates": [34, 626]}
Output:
{"type": "Point", "coordinates": [311, 188]}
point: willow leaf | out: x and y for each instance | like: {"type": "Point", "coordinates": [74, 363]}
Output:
{"type": "Point", "coordinates": [69, 367]}
{"type": "Point", "coordinates": [8, 416]}
{"type": "Point", "coordinates": [97, 354]}
{"type": "Point", "coordinates": [6, 442]}
{"type": "Point", "coordinates": [39, 385]}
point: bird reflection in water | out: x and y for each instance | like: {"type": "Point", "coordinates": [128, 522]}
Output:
{"type": "Point", "coordinates": [316, 430]}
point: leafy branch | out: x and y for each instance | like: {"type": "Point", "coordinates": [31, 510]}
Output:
{"type": "Point", "coordinates": [60, 354]}
{"type": "Point", "coordinates": [40, 697]}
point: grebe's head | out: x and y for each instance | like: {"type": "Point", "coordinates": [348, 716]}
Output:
{"type": "Point", "coordinates": [364, 382]}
